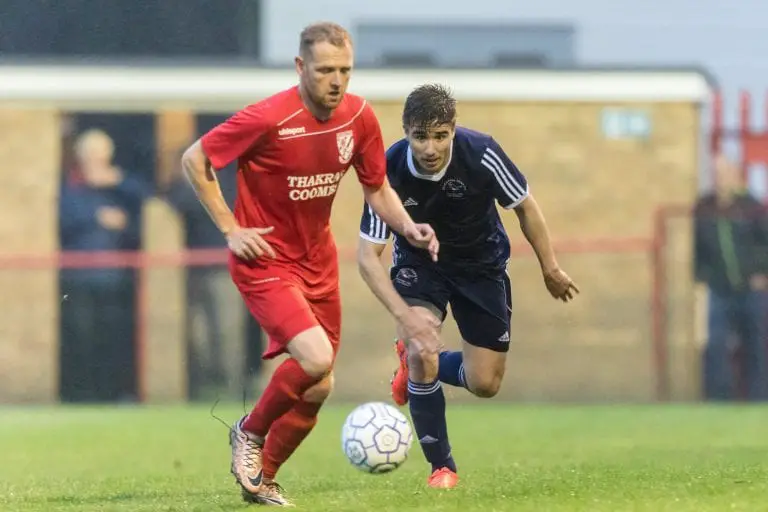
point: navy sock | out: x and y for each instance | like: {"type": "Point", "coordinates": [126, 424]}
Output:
{"type": "Point", "coordinates": [427, 404]}
{"type": "Point", "coordinates": [451, 369]}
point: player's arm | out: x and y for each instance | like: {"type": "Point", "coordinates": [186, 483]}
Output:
{"type": "Point", "coordinates": [202, 176]}
{"type": "Point", "coordinates": [374, 235]}
{"type": "Point", "coordinates": [534, 228]}
{"type": "Point", "coordinates": [512, 192]}
{"type": "Point", "coordinates": [214, 151]}
{"type": "Point", "coordinates": [375, 276]}
{"type": "Point", "coordinates": [371, 166]}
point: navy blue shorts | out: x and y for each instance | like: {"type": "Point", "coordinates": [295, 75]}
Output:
{"type": "Point", "coordinates": [481, 305]}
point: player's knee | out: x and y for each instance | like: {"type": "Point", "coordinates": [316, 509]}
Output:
{"type": "Point", "coordinates": [486, 386]}
{"type": "Point", "coordinates": [319, 365]}
{"type": "Point", "coordinates": [314, 352]}
{"type": "Point", "coordinates": [320, 391]}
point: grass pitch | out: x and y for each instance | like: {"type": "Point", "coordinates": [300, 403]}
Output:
{"type": "Point", "coordinates": [511, 457]}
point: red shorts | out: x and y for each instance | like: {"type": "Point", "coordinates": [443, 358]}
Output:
{"type": "Point", "coordinates": [283, 310]}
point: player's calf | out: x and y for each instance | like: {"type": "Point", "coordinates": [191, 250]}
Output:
{"type": "Point", "coordinates": [427, 405]}
{"type": "Point", "coordinates": [414, 354]}
{"type": "Point", "coordinates": [320, 392]}
{"type": "Point", "coordinates": [311, 360]}
{"type": "Point", "coordinates": [422, 364]}
{"type": "Point", "coordinates": [289, 431]}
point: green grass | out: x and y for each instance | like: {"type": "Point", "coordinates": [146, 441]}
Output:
{"type": "Point", "coordinates": [517, 458]}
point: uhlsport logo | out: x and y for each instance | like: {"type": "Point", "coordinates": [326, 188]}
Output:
{"type": "Point", "coordinates": [288, 132]}
{"type": "Point", "coordinates": [303, 188]}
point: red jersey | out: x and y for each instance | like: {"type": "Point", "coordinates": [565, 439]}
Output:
{"type": "Point", "coordinates": [289, 165]}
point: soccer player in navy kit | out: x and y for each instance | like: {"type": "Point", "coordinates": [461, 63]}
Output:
{"type": "Point", "coordinates": [451, 177]}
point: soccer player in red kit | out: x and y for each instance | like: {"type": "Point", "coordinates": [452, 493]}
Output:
{"type": "Point", "coordinates": [292, 150]}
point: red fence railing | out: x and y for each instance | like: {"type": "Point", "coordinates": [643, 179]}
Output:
{"type": "Point", "coordinates": [146, 261]}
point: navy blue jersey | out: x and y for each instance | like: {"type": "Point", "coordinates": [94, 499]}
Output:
{"type": "Point", "coordinates": [459, 202]}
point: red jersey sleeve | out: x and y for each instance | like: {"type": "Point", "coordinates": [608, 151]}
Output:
{"type": "Point", "coordinates": [370, 161]}
{"type": "Point", "coordinates": [232, 138]}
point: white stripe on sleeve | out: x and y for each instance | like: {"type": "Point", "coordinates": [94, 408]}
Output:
{"type": "Point", "coordinates": [504, 177]}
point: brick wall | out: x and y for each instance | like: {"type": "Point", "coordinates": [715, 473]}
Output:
{"type": "Point", "coordinates": [29, 300]}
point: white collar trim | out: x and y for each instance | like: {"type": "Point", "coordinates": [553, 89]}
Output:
{"type": "Point", "coordinates": [430, 177]}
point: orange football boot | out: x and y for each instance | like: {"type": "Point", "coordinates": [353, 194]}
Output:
{"type": "Point", "coordinates": [443, 478]}
{"type": "Point", "coordinates": [400, 379]}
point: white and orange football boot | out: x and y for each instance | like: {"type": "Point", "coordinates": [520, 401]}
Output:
{"type": "Point", "coordinates": [443, 478]}
{"type": "Point", "coordinates": [400, 379]}
{"type": "Point", "coordinates": [246, 458]}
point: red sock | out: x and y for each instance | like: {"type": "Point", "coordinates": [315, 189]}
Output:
{"type": "Point", "coordinates": [287, 434]}
{"type": "Point", "coordinates": [284, 390]}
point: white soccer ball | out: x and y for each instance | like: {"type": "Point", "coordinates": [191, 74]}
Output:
{"type": "Point", "coordinates": [376, 437]}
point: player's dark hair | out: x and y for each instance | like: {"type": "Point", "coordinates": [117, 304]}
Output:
{"type": "Point", "coordinates": [322, 32]}
{"type": "Point", "coordinates": [429, 105]}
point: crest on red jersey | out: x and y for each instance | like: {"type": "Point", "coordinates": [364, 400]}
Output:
{"type": "Point", "coordinates": [345, 141]}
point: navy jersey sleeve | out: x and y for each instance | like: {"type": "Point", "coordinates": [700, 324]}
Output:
{"type": "Point", "coordinates": [372, 228]}
{"type": "Point", "coordinates": [510, 184]}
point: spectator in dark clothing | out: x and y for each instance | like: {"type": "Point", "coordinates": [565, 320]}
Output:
{"type": "Point", "coordinates": [731, 258]}
{"type": "Point", "coordinates": [99, 210]}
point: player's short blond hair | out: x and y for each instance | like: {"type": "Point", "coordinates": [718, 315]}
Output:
{"type": "Point", "coordinates": [323, 32]}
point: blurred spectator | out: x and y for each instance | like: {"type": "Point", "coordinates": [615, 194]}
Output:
{"type": "Point", "coordinates": [216, 319]}
{"type": "Point", "coordinates": [100, 208]}
{"type": "Point", "coordinates": [731, 258]}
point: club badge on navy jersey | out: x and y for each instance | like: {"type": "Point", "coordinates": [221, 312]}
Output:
{"type": "Point", "coordinates": [345, 141]}
{"type": "Point", "coordinates": [454, 188]}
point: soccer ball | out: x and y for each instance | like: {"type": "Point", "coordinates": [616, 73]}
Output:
{"type": "Point", "coordinates": [376, 437]}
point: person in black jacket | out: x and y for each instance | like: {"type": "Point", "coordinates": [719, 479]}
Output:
{"type": "Point", "coordinates": [99, 210]}
{"type": "Point", "coordinates": [731, 259]}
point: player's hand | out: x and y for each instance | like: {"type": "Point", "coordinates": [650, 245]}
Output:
{"type": "Point", "coordinates": [420, 329]}
{"type": "Point", "coordinates": [559, 285]}
{"type": "Point", "coordinates": [423, 237]}
{"type": "Point", "coordinates": [759, 282]}
{"type": "Point", "coordinates": [248, 244]}
{"type": "Point", "coordinates": [112, 218]}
